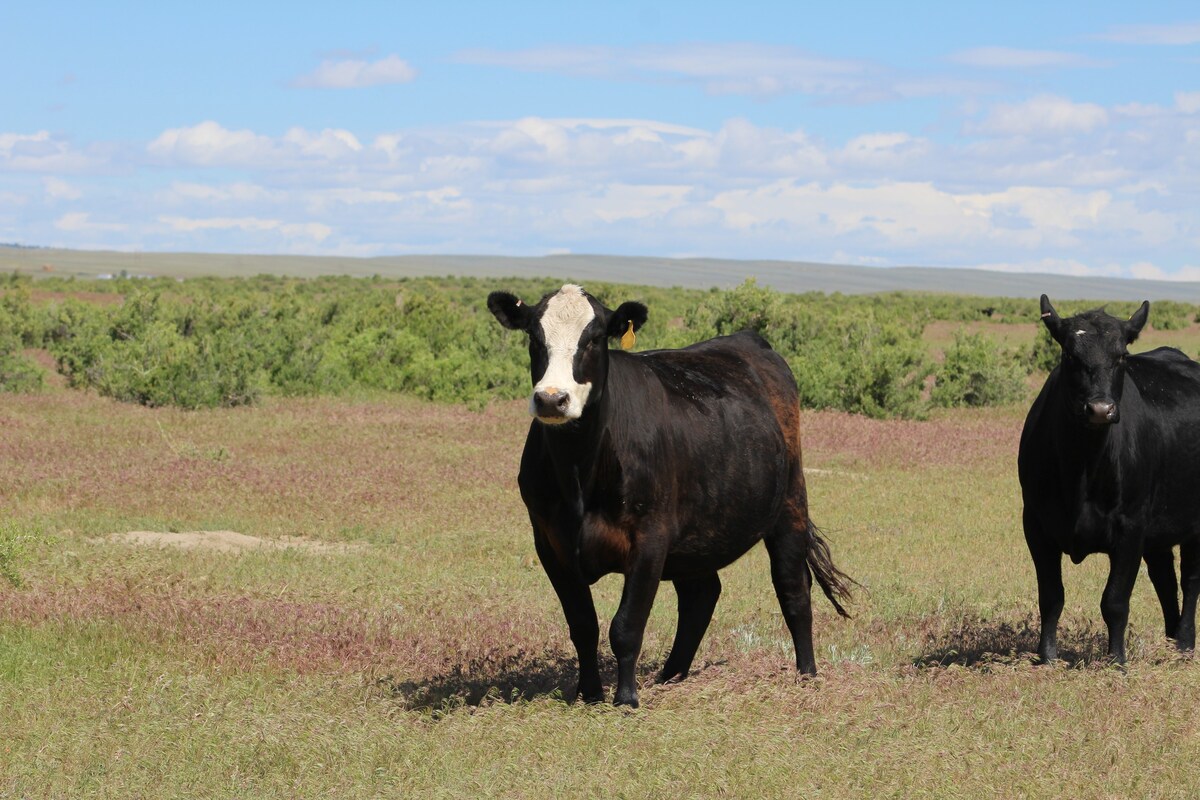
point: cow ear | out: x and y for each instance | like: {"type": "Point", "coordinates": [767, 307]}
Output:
{"type": "Point", "coordinates": [510, 311]}
{"type": "Point", "coordinates": [618, 321]}
{"type": "Point", "coordinates": [1051, 319]}
{"type": "Point", "coordinates": [1135, 324]}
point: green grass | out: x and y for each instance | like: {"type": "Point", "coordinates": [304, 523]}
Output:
{"type": "Point", "coordinates": [428, 658]}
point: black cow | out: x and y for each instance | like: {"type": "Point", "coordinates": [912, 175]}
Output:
{"type": "Point", "coordinates": [661, 464]}
{"type": "Point", "coordinates": [1108, 464]}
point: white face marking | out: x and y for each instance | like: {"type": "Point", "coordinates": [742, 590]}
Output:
{"type": "Point", "coordinates": [567, 314]}
{"type": "Point", "coordinates": [1080, 333]}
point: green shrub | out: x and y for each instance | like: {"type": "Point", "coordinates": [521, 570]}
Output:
{"type": "Point", "coordinates": [17, 373]}
{"type": "Point", "coordinates": [208, 342]}
{"type": "Point", "coordinates": [747, 307]}
{"type": "Point", "coordinates": [862, 366]}
{"type": "Point", "coordinates": [976, 373]}
{"type": "Point", "coordinates": [150, 353]}
{"type": "Point", "coordinates": [1045, 353]}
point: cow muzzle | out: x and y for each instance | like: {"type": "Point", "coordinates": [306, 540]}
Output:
{"type": "Point", "coordinates": [1101, 412]}
{"type": "Point", "coordinates": [550, 405]}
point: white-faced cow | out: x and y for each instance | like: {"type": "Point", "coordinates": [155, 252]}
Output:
{"type": "Point", "coordinates": [666, 464]}
{"type": "Point", "coordinates": [1108, 464]}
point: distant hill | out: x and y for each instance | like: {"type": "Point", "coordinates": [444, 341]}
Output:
{"type": "Point", "coordinates": [787, 276]}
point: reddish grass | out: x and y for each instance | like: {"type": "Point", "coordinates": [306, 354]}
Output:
{"type": "Point", "coordinates": [966, 439]}
{"type": "Point", "coordinates": [241, 630]}
{"type": "Point", "coordinates": [323, 465]}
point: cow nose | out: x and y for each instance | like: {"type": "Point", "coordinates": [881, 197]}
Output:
{"type": "Point", "coordinates": [551, 403]}
{"type": "Point", "coordinates": [1101, 412]}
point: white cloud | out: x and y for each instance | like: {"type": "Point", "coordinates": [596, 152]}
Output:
{"type": "Point", "coordinates": [626, 201]}
{"type": "Point", "coordinates": [240, 192]}
{"type": "Point", "coordinates": [1057, 266]}
{"type": "Point", "coordinates": [210, 144]}
{"type": "Point", "coordinates": [722, 68]}
{"type": "Point", "coordinates": [1139, 110]}
{"type": "Point", "coordinates": [40, 152]}
{"type": "Point", "coordinates": [1011, 58]}
{"type": "Point", "coordinates": [920, 214]}
{"type": "Point", "coordinates": [883, 150]}
{"type": "Point", "coordinates": [1043, 114]}
{"type": "Point", "coordinates": [329, 143]}
{"type": "Point", "coordinates": [1148, 271]}
{"type": "Point", "coordinates": [58, 189]}
{"type": "Point", "coordinates": [10, 141]}
{"type": "Point", "coordinates": [81, 222]}
{"type": "Point", "coordinates": [310, 230]}
{"type": "Point", "coordinates": [1181, 33]}
{"type": "Point", "coordinates": [1188, 102]}
{"type": "Point", "coordinates": [357, 74]}
{"type": "Point", "coordinates": [1124, 191]}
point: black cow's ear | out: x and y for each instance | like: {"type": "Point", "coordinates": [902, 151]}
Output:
{"type": "Point", "coordinates": [510, 311]}
{"type": "Point", "coordinates": [618, 321]}
{"type": "Point", "coordinates": [1135, 324]}
{"type": "Point", "coordinates": [1051, 319]}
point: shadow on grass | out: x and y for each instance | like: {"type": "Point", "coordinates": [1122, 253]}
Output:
{"type": "Point", "coordinates": [980, 642]}
{"type": "Point", "coordinates": [519, 677]}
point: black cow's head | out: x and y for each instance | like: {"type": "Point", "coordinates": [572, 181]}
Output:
{"type": "Point", "coordinates": [1094, 347]}
{"type": "Point", "coordinates": [568, 346]}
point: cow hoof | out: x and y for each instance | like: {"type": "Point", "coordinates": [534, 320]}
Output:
{"type": "Point", "coordinates": [629, 700]}
{"type": "Point", "coordinates": [674, 676]}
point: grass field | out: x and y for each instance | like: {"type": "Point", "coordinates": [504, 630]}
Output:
{"type": "Point", "coordinates": [387, 631]}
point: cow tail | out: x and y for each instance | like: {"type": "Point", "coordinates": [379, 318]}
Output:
{"type": "Point", "coordinates": [835, 583]}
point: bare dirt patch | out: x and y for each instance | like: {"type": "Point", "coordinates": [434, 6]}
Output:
{"type": "Point", "coordinates": [224, 541]}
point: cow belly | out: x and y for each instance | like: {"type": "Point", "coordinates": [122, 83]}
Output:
{"type": "Point", "coordinates": [1092, 533]}
{"type": "Point", "coordinates": [603, 548]}
{"type": "Point", "coordinates": [1089, 530]}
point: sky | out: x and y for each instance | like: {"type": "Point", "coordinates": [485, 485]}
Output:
{"type": "Point", "coordinates": [1048, 137]}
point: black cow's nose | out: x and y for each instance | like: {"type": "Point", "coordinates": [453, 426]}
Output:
{"type": "Point", "coordinates": [551, 403]}
{"type": "Point", "coordinates": [1101, 412]}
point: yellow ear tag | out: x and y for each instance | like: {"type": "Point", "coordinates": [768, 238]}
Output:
{"type": "Point", "coordinates": [629, 338]}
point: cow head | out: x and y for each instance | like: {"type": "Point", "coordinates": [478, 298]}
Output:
{"type": "Point", "coordinates": [568, 346]}
{"type": "Point", "coordinates": [1094, 346]}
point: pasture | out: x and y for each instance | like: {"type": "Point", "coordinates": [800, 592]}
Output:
{"type": "Point", "coordinates": [405, 641]}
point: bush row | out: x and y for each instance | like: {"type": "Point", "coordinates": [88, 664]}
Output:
{"type": "Point", "coordinates": [226, 342]}
{"type": "Point", "coordinates": [18, 329]}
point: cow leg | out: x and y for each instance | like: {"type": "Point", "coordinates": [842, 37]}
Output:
{"type": "Point", "coordinates": [793, 587]}
{"type": "Point", "coordinates": [1161, 568]}
{"type": "Point", "coordinates": [1114, 603]}
{"type": "Point", "coordinates": [1047, 563]}
{"type": "Point", "coordinates": [697, 599]}
{"type": "Point", "coordinates": [629, 625]}
{"type": "Point", "coordinates": [1189, 576]}
{"type": "Point", "coordinates": [576, 598]}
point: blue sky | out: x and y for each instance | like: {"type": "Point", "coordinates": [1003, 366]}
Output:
{"type": "Point", "coordinates": [1059, 137]}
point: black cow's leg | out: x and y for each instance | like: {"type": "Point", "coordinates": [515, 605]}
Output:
{"type": "Point", "coordinates": [1161, 567]}
{"type": "Point", "coordinates": [1114, 603]}
{"type": "Point", "coordinates": [629, 625]}
{"type": "Point", "coordinates": [697, 599]}
{"type": "Point", "coordinates": [793, 586]}
{"type": "Point", "coordinates": [1047, 562]}
{"type": "Point", "coordinates": [1189, 576]}
{"type": "Point", "coordinates": [576, 598]}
